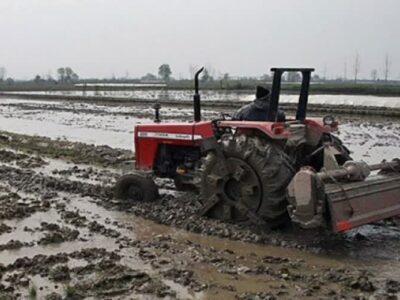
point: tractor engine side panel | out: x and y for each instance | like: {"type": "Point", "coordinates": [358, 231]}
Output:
{"type": "Point", "coordinates": [171, 157]}
{"type": "Point", "coordinates": [149, 138]}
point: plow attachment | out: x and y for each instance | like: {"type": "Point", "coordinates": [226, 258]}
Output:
{"type": "Point", "coordinates": [346, 197]}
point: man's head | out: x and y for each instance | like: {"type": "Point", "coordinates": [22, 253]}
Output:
{"type": "Point", "coordinates": [261, 92]}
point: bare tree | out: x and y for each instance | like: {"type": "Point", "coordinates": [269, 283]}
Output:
{"type": "Point", "coordinates": [3, 73]}
{"type": "Point", "coordinates": [345, 71]}
{"type": "Point", "coordinates": [374, 75]}
{"type": "Point", "coordinates": [294, 77]}
{"type": "Point", "coordinates": [211, 71]}
{"type": "Point", "coordinates": [206, 76]}
{"type": "Point", "coordinates": [325, 71]}
{"type": "Point", "coordinates": [74, 77]}
{"type": "Point", "coordinates": [386, 69]}
{"type": "Point", "coordinates": [68, 73]}
{"type": "Point", "coordinates": [192, 70]}
{"type": "Point", "coordinates": [356, 66]}
{"type": "Point", "coordinates": [164, 71]}
{"type": "Point", "coordinates": [61, 74]}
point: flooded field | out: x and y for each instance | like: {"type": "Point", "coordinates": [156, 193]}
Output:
{"type": "Point", "coordinates": [62, 234]}
{"type": "Point", "coordinates": [234, 96]}
{"type": "Point", "coordinates": [369, 139]}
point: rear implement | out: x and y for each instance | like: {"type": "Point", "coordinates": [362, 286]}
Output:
{"type": "Point", "coordinates": [347, 197]}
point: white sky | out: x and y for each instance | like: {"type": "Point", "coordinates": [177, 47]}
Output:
{"type": "Point", "coordinates": [242, 37]}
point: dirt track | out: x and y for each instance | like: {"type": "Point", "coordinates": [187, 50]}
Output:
{"type": "Point", "coordinates": [62, 234]}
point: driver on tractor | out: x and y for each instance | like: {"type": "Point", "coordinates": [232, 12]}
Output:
{"type": "Point", "coordinates": [258, 109]}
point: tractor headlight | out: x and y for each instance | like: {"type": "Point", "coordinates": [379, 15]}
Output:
{"type": "Point", "coordinates": [328, 120]}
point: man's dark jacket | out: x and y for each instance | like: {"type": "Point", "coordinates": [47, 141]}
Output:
{"type": "Point", "coordinates": [258, 109]}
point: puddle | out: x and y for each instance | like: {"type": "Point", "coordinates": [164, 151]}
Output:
{"type": "Point", "coordinates": [31, 222]}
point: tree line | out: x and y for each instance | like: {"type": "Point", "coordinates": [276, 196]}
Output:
{"type": "Point", "coordinates": [374, 73]}
{"type": "Point", "coordinates": [66, 75]}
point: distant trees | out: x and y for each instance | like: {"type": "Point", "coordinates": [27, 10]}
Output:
{"type": "Point", "coordinates": [315, 78]}
{"type": "Point", "coordinates": [37, 79]}
{"type": "Point", "coordinates": [68, 72]}
{"type": "Point", "coordinates": [67, 75]}
{"type": "Point", "coordinates": [192, 70]}
{"type": "Point", "coordinates": [149, 77]}
{"type": "Point", "coordinates": [44, 79]}
{"type": "Point", "coordinates": [374, 75]}
{"type": "Point", "coordinates": [61, 74]}
{"type": "Point", "coordinates": [164, 71]}
{"type": "Point", "coordinates": [293, 77]}
{"type": "Point", "coordinates": [3, 73]}
{"type": "Point", "coordinates": [206, 76]}
{"type": "Point", "coordinates": [10, 81]}
{"type": "Point", "coordinates": [266, 77]}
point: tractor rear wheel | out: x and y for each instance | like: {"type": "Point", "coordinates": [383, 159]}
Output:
{"type": "Point", "coordinates": [134, 188]}
{"type": "Point", "coordinates": [257, 174]}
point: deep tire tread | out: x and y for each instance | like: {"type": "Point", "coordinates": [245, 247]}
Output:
{"type": "Point", "coordinates": [270, 164]}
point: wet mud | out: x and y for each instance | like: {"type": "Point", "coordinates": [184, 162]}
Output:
{"type": "Point", "coordinates": [64, 236]}
{"type": "Point", "coordinates": [369, 138]}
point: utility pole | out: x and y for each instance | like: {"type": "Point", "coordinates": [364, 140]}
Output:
{"type": "Point", "coordinates": [386, 69]}
{"type": "Point", "coordinates": [356, 66]}
{"type": "Point", "coordinates": [325, 70]}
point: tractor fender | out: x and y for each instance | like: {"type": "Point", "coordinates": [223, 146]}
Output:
{"type": "Point", "coordinates": [274, 130]}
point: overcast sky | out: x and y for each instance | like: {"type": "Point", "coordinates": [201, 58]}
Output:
{"type": "Point", "coordinates": [98, 38]}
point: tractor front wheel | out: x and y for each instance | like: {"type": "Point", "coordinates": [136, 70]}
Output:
{"type": "Point", "coordinates": [134, 188]}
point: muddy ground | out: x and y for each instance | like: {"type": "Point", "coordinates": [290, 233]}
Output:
{"type": "Point", "coordinates": [370, 138]}
{"type": "Point", "coordinates": [63, 235]}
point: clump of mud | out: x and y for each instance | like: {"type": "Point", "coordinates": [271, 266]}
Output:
{"type": "Point", "coordinates": [12, 205]}
{"type": "Point", "coordinates": [14, 244]}
{"type": "Point", "coordinates": [76, 152]}
{"type": "Point", "coordinates": [4, 228]}
{"type": "Point", "coordinates": [56, 234]}
{"type": "Point", "coordinates": [87, 173]}
{"type": "Point", "coordinates": [21, 159]}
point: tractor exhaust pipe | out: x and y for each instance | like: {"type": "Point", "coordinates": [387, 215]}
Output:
{"type": "Point", "coordinates": [196, 97]}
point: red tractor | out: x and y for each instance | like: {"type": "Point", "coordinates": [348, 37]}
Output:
{"type": "Point", "coordinates": [264, 171]}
